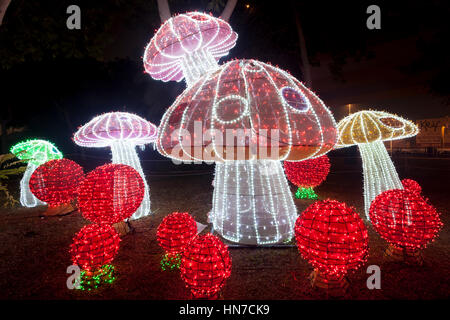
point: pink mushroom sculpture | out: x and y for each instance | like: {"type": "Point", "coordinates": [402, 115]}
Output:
{"type": "Point", "coordinates": [187, 46]}
{"type": "Point", "coordinates": [122, 132]}
{"type": "Point", "coordinates": [246, 116]}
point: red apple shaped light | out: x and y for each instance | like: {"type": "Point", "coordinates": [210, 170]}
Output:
{"type": "Point", "coordinates": [307, 175]}
{"type": "Point", "coordinates": [173, 234]}
{"type": "Point", "coordinates": [205, 266]}
{"type": "Point", "coordinates": [334, 239]}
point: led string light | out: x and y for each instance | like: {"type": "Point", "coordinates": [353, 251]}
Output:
{"type": "Point", "coordinates": [94, 245]}
{"type": "Point", "coordinates": [256, 107]}
{"type": "Point", "coordinates": [404, 219]}
{"type": "Point", "coordinates": [56, 181]}
{"type": "Point", "coordinates": [307, 174]}
{"type": "Point", "coordinates": [282, 88]}
{"type": "Point", "coordinates": [91, 280]}
{"type": "Point", "coordinates": [110, 193]}
{"type": "Point", "coordinates": [205, 266]}
{"type": "Point", "coordinates": [93, 248]}
{"type": "Point", "coordinates": [252, 203]}
{"type": "Point", "coordinates": [34, 152]}
{"type": "Point", "coordinates": [122, 132]}
{"type": "Point", "coordinates": [412, 186]}
{"type": "Point", "coordinates": [27, 198]}
{"type": "Point", "coordinates": [188, 46]}
{"type": "Point", "coordinates": [220, 101]}
{"type": "Point", "coordinates": [173, 234]}
{"type": "Point", "coordinates": [368, 129]}
{"type": "Point", "coordinates": [334, 240]}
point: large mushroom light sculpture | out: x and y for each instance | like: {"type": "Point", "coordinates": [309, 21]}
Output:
{"type": "Point", "coordinates": [264, 107]}
{"type": "Point", "coordinates": [368, 130]}
{"type": "Point", "coordinates": [122, 132]}
{"type": "Point", "coordinates": [247, 116]}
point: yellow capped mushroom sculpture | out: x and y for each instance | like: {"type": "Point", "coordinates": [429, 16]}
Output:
{"type": "Point", "coordinates": [368, 130]}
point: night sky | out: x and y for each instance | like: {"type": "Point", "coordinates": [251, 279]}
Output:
{"type": "Point", "coordinates": [54, 79]}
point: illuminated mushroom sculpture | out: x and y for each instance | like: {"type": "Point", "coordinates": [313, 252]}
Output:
{"type": "Point", "coordinates": [187, 46]}
{"type": "Point", "coordinates": [368, 130]}
{"type": "Point", "coordinates": [264, 107]}
{"type": "Point", "coordinates": [247, 116]}
{"type": "Point", "coordinates": [34, 152]}
{"type": "Point", "coordinates": [122, 132]}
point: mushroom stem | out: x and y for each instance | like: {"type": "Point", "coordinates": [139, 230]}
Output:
{"type": "Point", "coordinates": [379, 172]}
{"type": "Point", "coordinates": [197, 64]}
{"type": "Point", "coordinates": [252, 202]}
{"type": "Point", "coordinates": [27, 198]}
{"type": "Point", "coordinates": [125, 153]}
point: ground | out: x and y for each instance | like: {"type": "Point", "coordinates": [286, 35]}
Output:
{"type": "Point", "coordinates": [34, 249]}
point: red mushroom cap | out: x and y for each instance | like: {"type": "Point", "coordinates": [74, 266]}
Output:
{"type": "Point", "coordinates": [265, 106]}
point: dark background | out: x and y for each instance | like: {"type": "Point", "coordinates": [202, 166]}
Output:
{"type": "Point", "coordinates": [54, 79]}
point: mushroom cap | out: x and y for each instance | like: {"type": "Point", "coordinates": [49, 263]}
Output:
{"type": "Point", "coordinates": [36, 151]}
{"type": "Point", "coordinates": [275, 110]}
{"type": "Point", "coordinates": [181, 35]}
{"type": "Point", "coordinates": [369, 126]}
{"type": "Point", "coordinates": [110, 127]}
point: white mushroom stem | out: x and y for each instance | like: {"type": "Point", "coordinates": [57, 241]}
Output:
{"type": "Point", "coordinates": [379, 172]}
{"type": "Point", "coordinates": [27, 199]}
{"type": "Point", "coordinates": [252, 202]}
{"type": "Point", "coordinates": [125, 153]}
{"type": "Point", "coordinates": [197, 64]}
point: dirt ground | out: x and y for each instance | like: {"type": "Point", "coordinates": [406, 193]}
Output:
{"type": "Point", "coordinates": [34, 250]}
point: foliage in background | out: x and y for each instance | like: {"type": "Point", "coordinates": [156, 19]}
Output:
{"type": "Point", "coordinates": [36, 30]}
{"type": "Point", "coordinates": [9, 168]}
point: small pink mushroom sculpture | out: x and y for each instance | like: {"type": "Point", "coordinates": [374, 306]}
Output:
{"type": "Point", "coordinates": [187, 46]}
{"type": "Point", "coordinates": [122, 132]}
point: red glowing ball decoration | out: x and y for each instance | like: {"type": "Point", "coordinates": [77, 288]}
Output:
{"type": "Point", "coordinates": [404, 219]}
{"type": "Point", "coordinates": [56, 181]}
{"type": "Point", "coordinates": [175, 231]}
{"type": "Point", "coordinates": [412, 185]}
{"type": "Point", "coordinates": [308, 173]}
{"type": "Point", "coordinates": [94, 246]}
{"type": "Point", "coordinates": [205, 265]}
{"type": "Point", "coordinates": [332, 237]}
{"type": "Point", "coordinates": [110, 193]}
